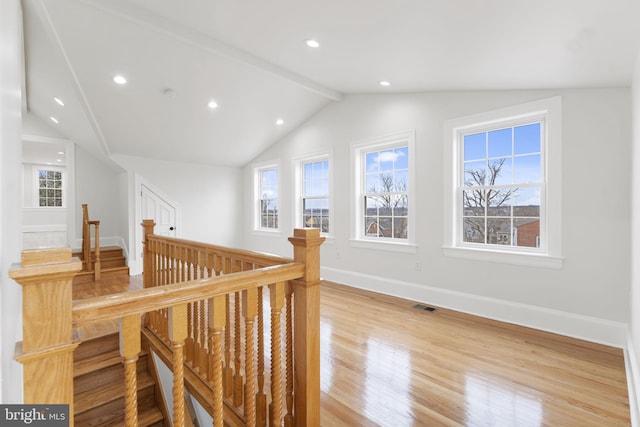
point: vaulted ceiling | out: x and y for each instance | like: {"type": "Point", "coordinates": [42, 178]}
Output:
{"type": "Point", "coordinates": [250, 57]}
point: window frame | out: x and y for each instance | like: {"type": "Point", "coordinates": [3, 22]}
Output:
{"type": "Point", "coordinates": [358, 161]}
{"type": "Point", "coordinates": [299, 179]}
{"type": "Point", "coordinates": [547, 111]}
{"type": "Point", "coordinates": [258, 170]}
{"type": "Point", "coordinates": [36, 185]}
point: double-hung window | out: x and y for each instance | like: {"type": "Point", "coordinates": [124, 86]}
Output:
{"type": "Point", "coordinates": [313, 190]}
{"type": "Point", "coordinates": [502, 195]}
{"type": "Point", "coordinates": [383, 188]}
{"type": "Point", "coordinates": [266, 196]}
{"type": "Point", "coordinates": [501, 185]}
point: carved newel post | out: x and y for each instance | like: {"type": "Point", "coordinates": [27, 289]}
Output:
{"type": "Point", "coordinates": [46, 351]}
{"type": "Point", "coordinates": [306, 249]}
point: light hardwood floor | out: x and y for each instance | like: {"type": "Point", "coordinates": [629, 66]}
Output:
{"type": "Point", "coordinates": [385, 363]}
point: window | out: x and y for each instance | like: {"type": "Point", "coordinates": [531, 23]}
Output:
{"type": "Point", "coordinates": [266, 179]}
{"type": "Point", "coordinates": [502, 186]}
{"type": "Point", "coordinates": [313, 188]}
{"type": "Point", "coordinates": [49, 183]}
{"type": "Point", "coordinates": [503, 189]}
{"type": "Point", "coordinates": [384, 190]}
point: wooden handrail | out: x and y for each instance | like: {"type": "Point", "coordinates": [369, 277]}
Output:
{"type": "Point", "coordinates": [116, 306]}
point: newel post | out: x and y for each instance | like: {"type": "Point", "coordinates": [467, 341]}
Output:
{"type": "Point", "coordinates": [306, 348]}
{"type": "Point", "coordinates": [46, 351]}
{"type": "Point", "coordinates": [147, 275]}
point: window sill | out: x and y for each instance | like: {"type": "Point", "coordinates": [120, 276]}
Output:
{"type": "Point", "coordinates": [269, 233]}
{"type": "Point", "coordinates": [505, 257]}
{"type": "Point", "coordinates": [408, 248]}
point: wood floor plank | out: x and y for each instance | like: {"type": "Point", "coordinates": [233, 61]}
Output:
{"type": "Point", "coordinates": [391, 364]}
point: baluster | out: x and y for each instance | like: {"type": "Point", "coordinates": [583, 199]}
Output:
{"type": "Point", "coordinates": [276, 299]}
{"type": "Point", "coordinates": [197, 317]}
{"type": "Point", "coordinates": [237, 377]}
{"type": "Point", "coordinates": [189, 341]}
{"type": "Point", "coordinates": [289, 420]}
{"type": "Point", "coordinates": [227, 372]}
{"type": "Point", "coordinates": [173, 264]}
{"type": "Point", "coordinates": [177, 335]}
{"type": "Point", "coordinates": [249, 304]}
{"type": "Point", "coordinates": [183, 264]}
{"type": "Point", "coordinates": [163, 265]}
{"type": "Point", "coordinates": [148, 259]}
{"type": "Point", "coordinates": [129, 350]}
{"type": "Point", "coordinates": [202, 357]}
{"type": "Point", "coordinates": [217, 321]}
{"type": "Point", "coordinates": [261, 397]}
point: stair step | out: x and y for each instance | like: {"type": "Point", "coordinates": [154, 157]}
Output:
{"type": "Point", "coordinates": [105, 252]}
{"type": "Point", "coordinates": [94, 363]}
{"type": "Point", "coordinates": [105, 273]}
{"type": "Point", "coordinates": [112, 413]}
{"type": "Point", "coordinates": [96, 346]}
{"type": "Point", "coordinates": [96, 397]}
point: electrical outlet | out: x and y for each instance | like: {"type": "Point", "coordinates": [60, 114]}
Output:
{"type": "Point", "coordinates": [418, 266]}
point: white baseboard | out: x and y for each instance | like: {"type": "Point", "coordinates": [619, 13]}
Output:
{"type": "Point", "coordinates": [587, 328]}
{"type": "Point", "coordinates": [633, 381]}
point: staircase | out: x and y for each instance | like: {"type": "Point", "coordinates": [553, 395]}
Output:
{"type": "Point", "coordinates": [113, 264]}
{"type": "Point", "coordinates": [98, 380]}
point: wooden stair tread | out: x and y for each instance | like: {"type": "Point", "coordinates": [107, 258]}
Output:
{"type": "Point", "coordinates": [106, 273]}
{"type": "Point", "coordinates": [147, 415]}
{"type": "Point", "coordinates": [98, 361]}
{"type": "Point", "coordinates": [94, 398]}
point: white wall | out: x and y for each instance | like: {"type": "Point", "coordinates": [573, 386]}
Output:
{"type": "Point", "coordinates": [10, 197]}
{"type": "Point", "coordinates": [633, 345]}
{"type": "Point", "coordinates": [208, 197]}
{"type": "Point", "coordinates": [586, 298]}
{"type": "Point", "coordinates": [99, 185]}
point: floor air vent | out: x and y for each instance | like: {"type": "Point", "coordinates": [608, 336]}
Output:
{"type": "Point", "coordinates": [424, 307]}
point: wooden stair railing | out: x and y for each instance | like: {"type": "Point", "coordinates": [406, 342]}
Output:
{"type": "Point", "coordinates": [203, 306]}
{"type": "Point", "coordinates": [86, 243]}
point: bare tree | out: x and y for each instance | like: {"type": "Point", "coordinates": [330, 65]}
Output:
{"type": "Point", "coordinates": [390, 196]}
{"type": "Point", "coordinates": [477, 201]}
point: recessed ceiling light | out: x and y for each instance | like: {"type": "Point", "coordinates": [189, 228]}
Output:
{"type": "Point", "coordinates": [54, 120]}
{"type": "Point", "coordinates": [312, 43]}
{"type": "Point", "coordinates": [58, 160]}
{"type": "Point", "coordinates": [212, 104]}
{"type": "Point", "coordinates": [385, 83]}
{"type": "Point", "coordinates": [279, 122]}
{"type": "Point", "coordinates": [61, 152]}
{"type": "Point", "coordinates": [120, 79]}
{"type": "Point", "coordinates": [59, 101]}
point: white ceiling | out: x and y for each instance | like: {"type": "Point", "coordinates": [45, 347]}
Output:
{"type": "Point", "coordinates": [250, 57]}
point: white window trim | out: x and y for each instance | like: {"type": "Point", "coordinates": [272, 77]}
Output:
{"type": "Point", "coordinates": [298, 189]}
{"type": "Point", "coordinates": [358, 239]}
{"type": "Point", "coordinates": [35, 197]}
{"type": "Point", "coordinates": [551, 110]}
{"type": "Point", "coordinates": [257, 180]}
